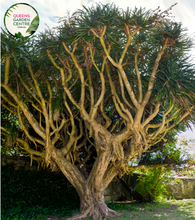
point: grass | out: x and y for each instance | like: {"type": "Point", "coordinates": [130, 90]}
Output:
{"type": "Point", "coordinates": [167, 210]}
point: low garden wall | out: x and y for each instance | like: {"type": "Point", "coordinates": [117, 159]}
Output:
{"type": "Point", "coordinates": [181, 190]}
{"type": "Point", "coordinates": [18, 162]}
{"type": "Point", "coordinates": [116, 191]}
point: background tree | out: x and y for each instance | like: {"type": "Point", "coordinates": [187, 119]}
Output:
{"type": "Point", "coordinates": [103, 88]}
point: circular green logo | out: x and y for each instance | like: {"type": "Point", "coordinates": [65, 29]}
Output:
{"type": "Point", "coordinates": [21, 20]}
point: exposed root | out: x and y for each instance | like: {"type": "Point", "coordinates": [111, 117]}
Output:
{"type": "Point", "coordinates": [82, 215]}
{"type": "Point", "coordinates": [112, 214]}
{"type": "Point", "coordinates": [96, 214]}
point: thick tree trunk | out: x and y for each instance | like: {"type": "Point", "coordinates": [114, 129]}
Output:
{"type": "Point", "coordinates": [92, 205]}
{"type": "Point", "coordinates": [91, 189]}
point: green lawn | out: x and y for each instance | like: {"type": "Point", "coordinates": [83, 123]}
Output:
{"type": "Point", "coordinates": [168, 210]}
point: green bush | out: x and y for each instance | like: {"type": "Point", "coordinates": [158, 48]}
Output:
{"type": "Point", "coordinates": [151, 185]}
{"type": "Point", "coordinates": [27, 194]}
{"type": "Point", "coordinates": [118, 206]}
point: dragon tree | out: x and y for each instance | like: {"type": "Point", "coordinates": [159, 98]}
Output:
{"type": "Point", "coordinates": [102, 89]}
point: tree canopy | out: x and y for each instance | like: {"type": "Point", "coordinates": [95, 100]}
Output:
{"type": "Point", "coordinates": [103, 88]}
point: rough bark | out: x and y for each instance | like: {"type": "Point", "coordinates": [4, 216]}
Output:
{"type": "Point", "coordinates": [91, 189]}
{"type": "Point", "coordinates": [92, 204]}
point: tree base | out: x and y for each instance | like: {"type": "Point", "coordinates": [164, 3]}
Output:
{"type": "Point", "coordinates": [97, 213]}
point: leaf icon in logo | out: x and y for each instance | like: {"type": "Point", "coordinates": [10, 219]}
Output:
{"type": "Point", "coordinates": [19, 35]}
{"type": "Point", "coordinates": [34, 25]}
{"type": "Point", "coordinates": [9, 11]}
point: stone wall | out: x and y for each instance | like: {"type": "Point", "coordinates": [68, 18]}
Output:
{"type": "Point", "coordinates": [116, 191]}
{"type": "Point", "coordinates": [18, 162]}
{"type": "Point", "coordinates": [183, 190]}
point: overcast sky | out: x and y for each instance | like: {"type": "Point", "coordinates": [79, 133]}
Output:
{"type": "Point", "coordinates": [184, 12]}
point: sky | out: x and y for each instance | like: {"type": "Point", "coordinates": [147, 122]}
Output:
{"type": "Point", "coordinates": [49, 10]}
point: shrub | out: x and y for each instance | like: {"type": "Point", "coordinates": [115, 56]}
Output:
{"type": "Point", "coordinates": [27, 194]}
{"type": "Point", "coordinates": [151, 185]}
